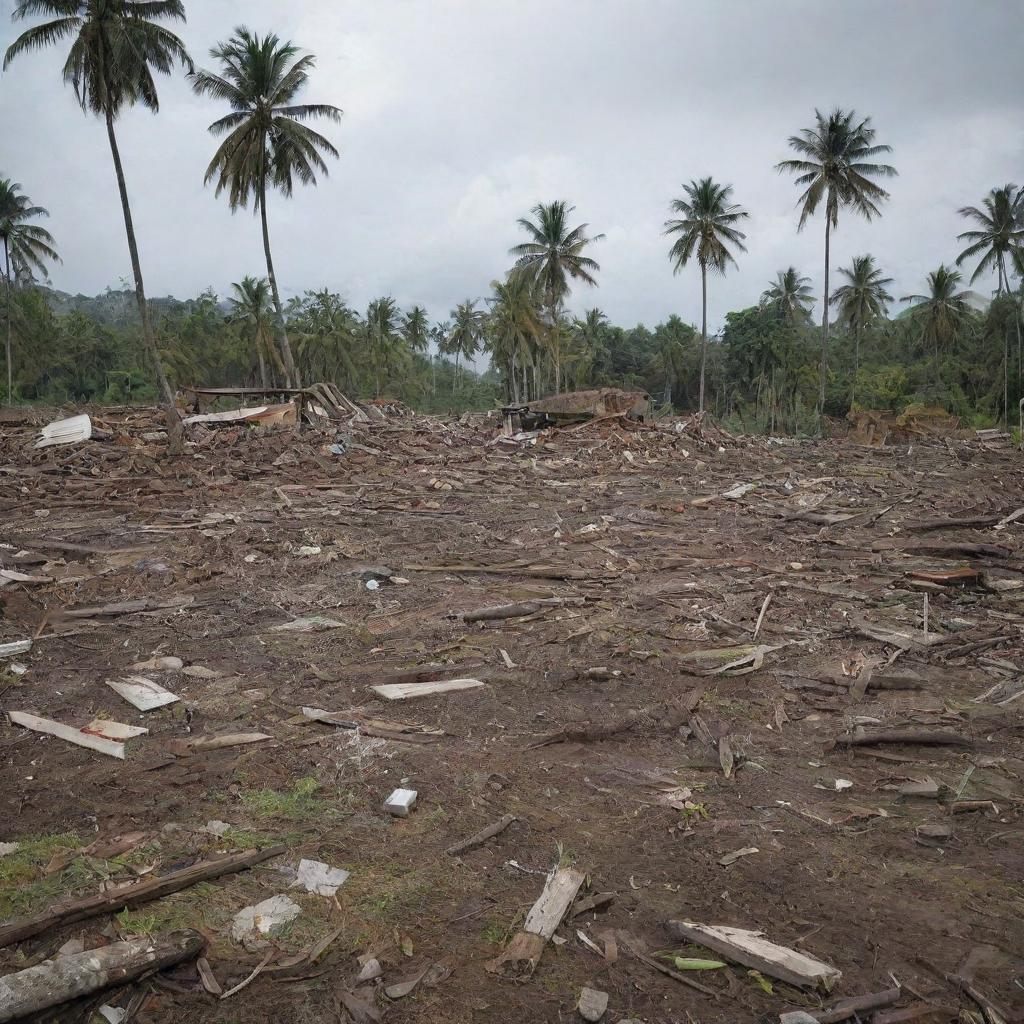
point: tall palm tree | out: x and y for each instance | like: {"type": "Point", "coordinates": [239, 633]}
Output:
{"type": "Point", "coordinates": [27, 247]}
{"type": "Point", "coordinates": [835, 164]}
{"type": "Point", "coordinates": [860, 302]}
{"type": "Point", "coordinates": [416, 329]}
{"type": "Point", "coordinates": [941, 312]}
{"type": "Point", "coordinates": [706, 226]}
{"type": "Point", "coordinates": [382, 331]}
{"type": "Point", "coordinates": [267, 144]}
{"type": "Point", "coordinates": [251, 312]}
{"type": "Point", "coordinates": [466, 333]}
{"type": "Point", "coordinates": [789, 296]}
{"type": "Point", "coordinates": [117, 46]}
{"type": "Point", "coordinates": [512, 328]}
{"type": "Point", "coordinates": [998, 240]}
{"type": "Point", "coordinates": [554, 257]}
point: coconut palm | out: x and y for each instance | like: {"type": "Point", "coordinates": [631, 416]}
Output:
{"type": "Point", "coordinates": [416, 329]}
{"type": "Point", "coordinates": [941, 312]}
{"type": "Point", "coordinates": [27, 247]}
{"type": "Point", "coordinates": [835, 165]}
{"type": "Point", "coordinates": [328, 332]}
{"type": "Point", "coordinates": [552, 259]}
{"type": "Point", "coordinates": [267, 143]}
{"type": "Point", "coordinates": [117, 45]}
{"type": "Point", "coordinates": [251, 313]}
{"type": "Point", "coordinates": [382, 333]}
{"type": "Point", "coordinates": [512, 329]}
{"type": "Point", "coordinates": [705, 227]}
{"type": "Point", "coordinates": [999, 241]}
{"type": "Point", "coordinates": [860, 302]}
{"type": "Point", "coordinates": [789, 296]}
{"type": "Point", "coordinates": [466, 334]}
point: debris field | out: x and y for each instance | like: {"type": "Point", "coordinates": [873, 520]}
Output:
{"type": "Point", "coordinates": [408, 720]}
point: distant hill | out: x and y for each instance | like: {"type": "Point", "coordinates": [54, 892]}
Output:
{"type": "Point", "coordinates": [117, 307]}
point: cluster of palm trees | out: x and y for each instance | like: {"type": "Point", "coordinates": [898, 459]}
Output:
{"type": "Point", "coordinates": [266, 144]}
{"type": "Point", "coordinates": [117, 45]}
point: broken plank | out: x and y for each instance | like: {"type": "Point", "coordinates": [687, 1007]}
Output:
{"type": "Point", "coordinates": [407, 691]}
{"type": "Point", "coordinates": [58, 981]}
{"type": "Point", "coordinates": [134, 894]}
{"type": "Point", "coordinates": [67, 732]}
{"type": "Point", "coordinates": [523, 953]}
{"type": "Point", "coordinates": [854, 1005]}
{"type": "Point", "coordinates": [482, 836]}
{"type": "Point", "coordinates": [752, 950]}
{"type": "Point", "coordinates": [519, 609]}
{"type": "Point", "coordinates": [142, 692]}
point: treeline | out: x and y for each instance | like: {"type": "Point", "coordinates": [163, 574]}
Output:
{"type": "Point", "coordinates": [762, 371]}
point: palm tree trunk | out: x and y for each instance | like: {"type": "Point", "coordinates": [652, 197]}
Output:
{"type": "Point", "coordinates": [282, 335]}
{"type": "Point", "coordinates": [7, 279]}
{"type": "Point", "coordinates": [1003, 278]}
{"type": "Point", "coordinates": [823, 371]}
{"type": "Point", "coordinates": [263, 367]}
{"type": "Point", "coordinates": [703, 332]}
{"type": "Point", "coordinates": [455, 375]}
{"type": "Point", "coordinates": [175, 431]}
{"type": "Point", "coordinates": [856, 364]}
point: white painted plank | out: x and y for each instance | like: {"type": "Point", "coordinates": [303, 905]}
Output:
{"type": "Point", "coordinates": [406, 691]}
{"type": "Point", "coordinates": [67, 732]}
{"type": "Point", "coordinates": [113, 730]}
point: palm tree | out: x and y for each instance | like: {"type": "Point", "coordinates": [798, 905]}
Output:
{"type": "Point", "coordinates": [860, 302]}
{"type": "Point", "coordinates": [941, 312]}
{"type": "Point", "coordinates": [267, 143]}
{"type": "Point", "coordinates": [789, 296]}
{"type": "Point", "coordinates": [329, 331]}
{"type": "Point", "coordinates": [382, 331]}
{"type": "Point", "coordinates": [836, 164]}
{"type": "Point", "coordinates": [27, 247]}
{"type": "Point", "coordinates": [999, 239]}
{"type": "Point", "coordinates": [251, 312]}
{"type": "Point", "coordinates": [466, 334]}
{"type": "Point", "coordinates": [416, 329]}
{"type": "Point", "coordinates": [117, 46]}
{"type": "Point", "coordinates": [553, 258]}
{"type": "Point", "coordinates": [512, 329]}
{"type": "Point", "coordinates": [705, 226]}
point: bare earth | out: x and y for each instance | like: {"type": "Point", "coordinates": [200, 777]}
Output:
{"type": "Point", "coordinates": [643, 776]}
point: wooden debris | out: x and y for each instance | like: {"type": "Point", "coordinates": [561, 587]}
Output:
{"type": "Point", "coordinates": [132, 895]}
{"type": "Point", "coordinates": [408, 691]}
{"type": "Point", "coordinates": [527, 946]}
{"type": "Point", "coordinates": [731, 858]}
{"type": "Point", "coordinates": [852, 1006]}
{"type": "Point", "coordinates": [750, 949]}
{"type": "Point", "coordinates": [113, 730]}
{"type": "Point", "coordinates": [230, 739]}
{"type": "Point", "coordinates": [482, 836]}
{"type": "Point", "coordinates": [663, 968]}
{"type": "Point", "coordinates": [928, 737]}
{"type": "Point", "coordinates": [522, 608]}
{"type": "Point", "coordinates": [952, 578]}
{"type": "Point", "coordinates": [54, 982]}
{"type": "Point", "coordinates": [399, 732]}
{"type": "Point", "coordinates": [9, 650]}
{"type": "Point", "coordinates": [79, 737]}
{"type": "Point", "coordinates": [142, 692]}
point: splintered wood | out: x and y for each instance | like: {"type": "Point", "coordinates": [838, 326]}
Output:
{"type": "Point", "coordinates": [523, 953]}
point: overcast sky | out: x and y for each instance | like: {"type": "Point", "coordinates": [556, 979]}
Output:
{"type": "Point", "coordinates": [460, 115]}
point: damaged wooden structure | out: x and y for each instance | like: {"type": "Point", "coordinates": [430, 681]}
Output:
{"type": "Point", "coordinates": [577, 407]}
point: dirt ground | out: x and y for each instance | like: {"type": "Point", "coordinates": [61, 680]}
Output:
{"type": "Point", "coordinates": [644, 776]}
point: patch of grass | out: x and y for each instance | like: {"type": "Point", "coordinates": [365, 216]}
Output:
{"type": "Point", "coordinates": [300, 803]}
{"type": "Point", "coordinates": [496, 933]}
{"type": "Point", "coordinates": [23, 887]}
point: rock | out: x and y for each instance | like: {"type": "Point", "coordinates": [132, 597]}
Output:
{"type": "Point", "coordinates": [264, 918]}
{"type": "Point", "coordinates": [592, 1004]}
{"type": "Point", "coordinates": [217, 828]}
{"type": "Point", "coordinates": [371, 969]}
{"type": "Point", "coordinates": [316, 877]}
{"type": "Point", "coordinates": [8, 848]}
{"type": "Point", "coordinates": [166, 663]}
{"type": "Point", "coordinates": [797, 1017]}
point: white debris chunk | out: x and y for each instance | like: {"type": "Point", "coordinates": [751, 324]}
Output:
{"type": "Point", "coordinates": [264, 918]}
{"type": "Point", "coordinates": [75, 428]}
{"type": "Point", "coordinates": [316, 877]}
{"type": "Point", "coordinates": [401, 802]}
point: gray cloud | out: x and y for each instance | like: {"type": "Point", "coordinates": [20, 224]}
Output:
{"type": "Point", "coordinates": [462, 114]}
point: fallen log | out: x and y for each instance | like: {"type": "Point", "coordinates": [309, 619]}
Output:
{"type": "Point", "coordinates": [671, 715]}
{"type": "Point", "coordinates": [519, 609]}
{"type": "Point", "coordinates": [482, 836]}
{"type": "Point", "coordinates": [132, 895]}
{"type": "Point", "coordinates": [926, 525]}
{"type": "Point", "coordinates": [927, 737]}
{"type": "Point", "coordinates": [58, 981]}
{"type": "Point", "coordinates": [942, 549]}
{"type": "Point", "coordinates": [853, 1005]}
